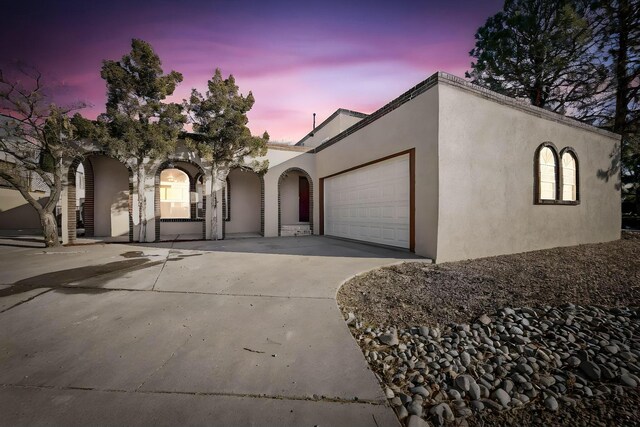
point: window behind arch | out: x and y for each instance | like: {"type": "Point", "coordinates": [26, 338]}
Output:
{"type": "Point", "coordinates": [547, 173]}
{"type": "Point", "coordinates": [569, 177]}
{"type": "Point", "coordinates": [174, 194]}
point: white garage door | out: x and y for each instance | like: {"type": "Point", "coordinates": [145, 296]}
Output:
{"type": "Point", "coordinates": [370, 203]}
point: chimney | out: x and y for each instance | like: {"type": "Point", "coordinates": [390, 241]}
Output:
{"type": "Point", "coordinates": [314, 124]}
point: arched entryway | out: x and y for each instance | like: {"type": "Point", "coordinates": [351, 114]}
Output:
{"type": "Point", "coordinates": [180, 202]}
{"type": "Point", "coordinates": [244, 204]}
{"type": "Point", "coordinates": [295, 203]}
{"type": "Point", "coordinates": [99, 201]}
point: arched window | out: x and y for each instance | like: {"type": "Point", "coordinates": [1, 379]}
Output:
{"type": "Point", "coordinates": [174, 194]}
{"type": "Point", "coordinates": [569, 177]}
{"type": "Point", "coordinates": [547, 173]}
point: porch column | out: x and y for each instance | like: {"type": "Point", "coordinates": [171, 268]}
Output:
{"type": "Point", "coordinates": [64, 204]}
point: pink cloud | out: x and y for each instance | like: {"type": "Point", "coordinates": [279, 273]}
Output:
{"type": "Point", "coordinates": [296, 58]}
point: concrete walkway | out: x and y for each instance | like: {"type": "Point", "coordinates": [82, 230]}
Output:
{"type": "Point", "coordinates": [241, 332]}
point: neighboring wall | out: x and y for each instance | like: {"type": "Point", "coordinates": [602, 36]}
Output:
{"type": "Point", "coordinates": [486, 156]}
{"type": "Point", "coordinates": [16, 213]}
{"type": "Point", "coordinates": [333, 125]}
{"type": "Point", "coordinates": [111, 197]}
{"type": "Point", "coordinates": [413, 124]}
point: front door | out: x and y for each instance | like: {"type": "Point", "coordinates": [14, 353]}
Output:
{"type": "Point", "coordinates": [303, 197]}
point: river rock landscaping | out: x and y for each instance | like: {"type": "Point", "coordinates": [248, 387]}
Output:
{"type": "Point", "coordinates": [529, 353]}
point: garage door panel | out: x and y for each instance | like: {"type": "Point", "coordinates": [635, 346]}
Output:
{"type": "Point", "coordinates": [370, 203]}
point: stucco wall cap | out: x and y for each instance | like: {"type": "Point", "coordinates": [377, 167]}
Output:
{"type": "Point", "coordinates": [287, 147]}
{"type": "Point", "coordinates": [461, 83]}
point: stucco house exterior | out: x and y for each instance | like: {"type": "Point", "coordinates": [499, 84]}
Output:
{"type": "Point", "coordinates": [447, 170]}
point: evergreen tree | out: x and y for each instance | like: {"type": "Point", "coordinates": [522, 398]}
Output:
{"type": "Point", "coordinates": [220, 133]}
{"type": "Point", "coordinates": [539, 50]}
{"type": "Point", "coordinates": [137, 123]}
{"type": "Point", "coordinates": [617, 32]}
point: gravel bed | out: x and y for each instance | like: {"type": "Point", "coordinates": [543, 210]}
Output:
{"type": "Point", "coordinates": [410, 294]}
{"type": "Point", "coordinates": [570, 355]}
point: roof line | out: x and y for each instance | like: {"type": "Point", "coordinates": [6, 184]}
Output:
{"type": "Point", "coordinates": [461, 83]}
{"type": "Point", "coordinates": [442, 77]}
{"type": "Point", "coordinates": [287, 147]}
{"type": "Point", "coordinates": [328, 119]}
{"type": "Point", "coordinates": [418, 89]}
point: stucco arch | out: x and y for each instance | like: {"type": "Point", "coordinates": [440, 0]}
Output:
{"type": "Point", "coordinates": [311, 211]}
{"type": "Point", "coordinates": [89, 187]}
{"type": "Point", "coordinates": [227, 200]}
{"type": "Point", "coordinates": [174, 163]}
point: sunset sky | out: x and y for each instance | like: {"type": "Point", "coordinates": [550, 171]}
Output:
{"type": "Point", "coordinates": [297, 57]}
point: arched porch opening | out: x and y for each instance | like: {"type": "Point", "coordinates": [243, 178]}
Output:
{"type": "Point", "coordinates": [99, 201]}
{"type": "Point", "coordinates": [179, 201]}
{"type": "Point", "coordinates": [244, 204]}
{"type": "Point", "coordinates": [295, 203]}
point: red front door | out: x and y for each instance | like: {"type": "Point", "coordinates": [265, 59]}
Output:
{"type": "Point", "coordinates": [303, 197]}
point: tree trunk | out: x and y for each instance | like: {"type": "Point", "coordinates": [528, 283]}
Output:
{"type": "Point", "coordinates": [214, 216]}
{"type": "Point", "coordinates": [49, 228]}
{"type": "Point", "coordinates": [537, 97]}
{"type": "Point", "coordinates": [217, 179]}
{"type": "Point", "coordinates": [47, 218]}
{"type": "Point", "coordinates": [142, 202]}
{"type": "Point", "coordinates": [621, 63]}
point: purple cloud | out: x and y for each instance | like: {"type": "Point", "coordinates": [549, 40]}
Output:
{"type": "Point", "coordinates": [296, 58]}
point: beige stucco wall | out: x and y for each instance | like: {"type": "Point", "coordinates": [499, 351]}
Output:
{"type": "Point", "coordinates": [16, 213]}
{"type": "Point", "coordinates": [486, 158]}
{"type": "Point", "coordinates": [301, 160]}
{"type": "Point", "coordinates": [412, 125]}
{"type": "Point", "coordinates": [245, 202]}
{"type": "Point", "coordinates": [111, 197]}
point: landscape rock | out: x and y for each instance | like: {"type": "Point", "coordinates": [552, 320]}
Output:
{"type": "Point", "coordinates": [402, 412]}
{"type": "Point", "coordinates": [351, 319]}
{"type": "Point", "coordinates": [484, 319]}
{"type": "Point", "coordinates": [463, 382]}
{"type": "Point", "coordinates": [502, 397]}
{"type": "Point", "coordinates": [551, 403]}
{"type": "Point", "coordinates": [415, 408]}
{"type": "Point", "coordinates": [415, 421]}
{"type": "Point", "coordinates": [441, 413]}
{"type": "Point", "coordinates": [591, 369]}
{"type": "Point", "coordinates": [551, 360]}
{"type": "Point", "coordinates": [628, 381]}
{"type": "Point", "coordinates": [390, 338]}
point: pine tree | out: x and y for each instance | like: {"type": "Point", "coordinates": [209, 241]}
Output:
{"type": "Point", "coordinates": [539, 50]}
{"type": "Point", "coordinates": [138, 123]}
{"type": "Point", "coordinates": [220, 133]}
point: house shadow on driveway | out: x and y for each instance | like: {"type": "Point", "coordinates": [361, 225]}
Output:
{"type": "Point", "coordinates": [65, 278]}
{"type": "Point", "coordinates": [309, 267]}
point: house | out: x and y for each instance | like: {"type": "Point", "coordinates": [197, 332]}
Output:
{"type": "Point", "coordinates": [448, 170]}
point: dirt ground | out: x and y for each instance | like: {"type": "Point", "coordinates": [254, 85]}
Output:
{"type": "Point", "coordinates": [604, 274]}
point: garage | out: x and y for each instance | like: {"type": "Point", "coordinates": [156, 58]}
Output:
{"type": "Point", "coordinates": [372, 203]}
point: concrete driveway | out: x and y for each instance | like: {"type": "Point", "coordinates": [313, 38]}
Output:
{"type": "Point", "coordinates": [238, 332]}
